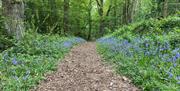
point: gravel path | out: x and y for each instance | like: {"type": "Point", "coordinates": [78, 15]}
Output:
{"type": "Point", "coordinates": [83, 70]}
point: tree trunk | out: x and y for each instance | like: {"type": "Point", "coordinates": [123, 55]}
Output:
{"type": "Point", "coordinates": [101, 27]}
{"type": "Point", "coordinates": [165, 8]}
{"type": "Point", "coordinates": [100, 5]}
{"type": "Point", "coordinates": [13, 11]}
{"type": "Point", "coordinates": [129, 11]}
{"type": "Point", "coordinates": [115, 15]}
{"type": "Point", "coordinates": [133, 7]}
{"type": "Point", "coordinates": [53, 7]}
{"type": "Point", "coordinates": [90, 19]}
{"type": "Point", "coordinates": [101, 12]}
{"type": "Point", "coordinates": [125, 12]}
{"type": "Point", "coordinates": [66, 16]}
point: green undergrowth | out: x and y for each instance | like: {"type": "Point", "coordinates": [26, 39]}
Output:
{"type": "Point", "coordinates": [147, 52]}
{"type": "Point", "coordinates": [24, 65]}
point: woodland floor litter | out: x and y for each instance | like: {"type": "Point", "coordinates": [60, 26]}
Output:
{"type": "Point", "coordinates": [83, 70]}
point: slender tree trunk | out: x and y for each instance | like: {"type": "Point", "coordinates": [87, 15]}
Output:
{"type": "Point", "coordinates": [125, 12]}
{"type": "Point", "coordinates": [102, 22]}
{"type": "Point", "coordinates": [115, 14]}
{"type": "Point", "coordinates": [13, 11]}
{"type": "Point", "coordinates": [101, 12]}
{"type": "Point", "coordinates": [129, 9]}
{"type": "Point", "coordinates": [165, 8]}
{"type": "Point", "coordinates": [101, 26]}
{"type": "Point", "coordinates": [90, 19]}
{"type": "Point", "coordinates": [53, 8]}
{"type": "Point", "coordinates": [134, 4]}
{"type": "Point", "coordinates": [66, 16]}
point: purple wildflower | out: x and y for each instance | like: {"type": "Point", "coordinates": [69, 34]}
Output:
{"type": "Point", "coordinates": [67, 44]}
{"type": "Point", "coordinates": [16, 78]}
{"type": "Point", "coordinates": [174, 59]}
{"type": "Point", "coordinates": [174, 65]}
{"type": "Point", "coordinates": [170, 75]}
{"type": "Point", "coordinates": [177, 55]}
{"type": "Point", "coordinates": [5, 57]}
{"type": "Point", "coordinates": [147, 45]}
{"type": "Point", "coordinates": [27, 75]}
{"type": "Point", "coordinates": [178, 77]}
{"type": "Point", "coordinates": [14, 61]}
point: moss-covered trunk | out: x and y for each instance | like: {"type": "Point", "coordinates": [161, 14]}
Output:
{"type": "Point", "coordinates": [13, 11]}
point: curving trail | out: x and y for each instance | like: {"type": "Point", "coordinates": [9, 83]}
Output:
{"type": "Point", "coordinates": [83, 70]}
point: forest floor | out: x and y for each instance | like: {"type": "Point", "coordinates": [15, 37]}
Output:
{"type": "Point", "coordinates": [84, 70]}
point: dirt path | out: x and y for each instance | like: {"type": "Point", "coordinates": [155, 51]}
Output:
{"type": "Point", "coordinates": [83, 70]}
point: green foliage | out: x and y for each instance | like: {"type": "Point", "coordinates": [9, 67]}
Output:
{"type": "Point", "coordinates": [37, 53]}
{"type": "Point", "coordinates": [24, 65]}
{"type": "Point", "coordinates": [147, 52]}
{"type": "Point", "coordinates": [43, 16]}
{"type": "Point", "coordinates": [5, 41]}
{"type": "Point", "coordinates": [46, 16]}
{"type": "Point", "coordinates": [151, 26]}
{"type": "Point", "coordinates": [169, 26]}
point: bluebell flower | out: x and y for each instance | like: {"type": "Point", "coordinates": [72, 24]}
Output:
{"type": "Point", "coordinates": [109, 41]}
{"type": "Point", "coordinates": [79, 40]}
{"type": "Point", "coordinates": [178, 77]}
{"type": "Point", "coordinates": [175, 50]}
{"type": "Point", "coordinates": [162, 49]}
{"type": "Point", "coordinates": [26, 75]}
{"type": "Point", "coordinates": [125, 42]}
{"type": "Point", "coordinates": [14, 61]}
{"type": "Point", "coordinates": [177, 55]}
{"type": "Point", "coordinates": [174, 58]}
{"type": "Point", "coordinates": [163, 57]}
{"type": "Point", "coordinates": [67, 44]}
{"type": "Point", "coordinates": [147, 53]}
{"type": "Point", "coordinates": [170, 69]}
{"type": "Point", "coordinates": [169, 60]}
{"type": "Point", "coordinates": [146, 45]}
{"type": "Point", "coordinates": [28, 72]}
{"type": "Point", "coordinates": [16, 78]}
{"type": "Point", "coordinates": [174, 64]}
{"type": "Point", "coordinates": [170, 74]}
{"type": "Point", "coordinates": [5, 57]}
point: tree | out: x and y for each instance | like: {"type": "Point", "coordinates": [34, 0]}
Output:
{"type": "Point", "coordinates": [129, 10]}
{"type": "Point", "coordinates": [115, 14]}
{"type": "Point", "coordinates": [66, 16]}
{"type": "Point", "coordinates": [13, 11]}
{"type": "Point", "coordinates": [165, 8]}
{"type": "Point", "coordinates": [89, 18]}
{"type": "Point", "coordinates": [102, 14]}
{"type": "Point", "coordinates": [126, 11]}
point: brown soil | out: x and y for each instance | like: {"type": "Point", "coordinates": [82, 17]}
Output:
{"type": "Point", "coordinates": [83, 70]}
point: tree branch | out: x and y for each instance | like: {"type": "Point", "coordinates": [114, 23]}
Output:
{"type": "Point", "coordinates": [98, 3]}
{"type": "Point", "coordinates": [109, 9]}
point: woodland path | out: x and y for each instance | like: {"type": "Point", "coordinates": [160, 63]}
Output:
{"type": "Point", "coordinates": [83, 70]}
